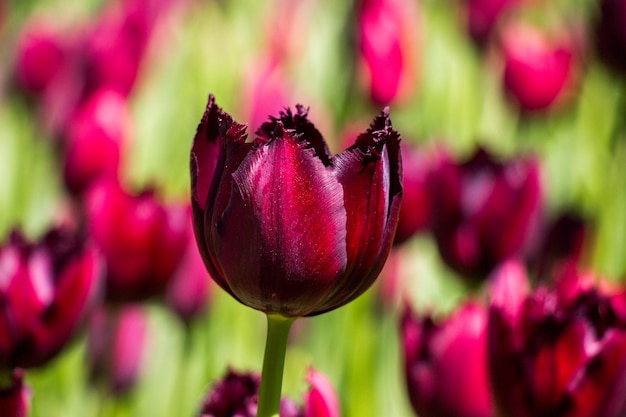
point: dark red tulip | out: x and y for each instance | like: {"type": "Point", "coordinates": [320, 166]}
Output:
{"type": "Point", "coordinates": [46, 289]}
{"type": "Point", "coordinates": [41, 53]}
{"type": "Point", "coordinates": [611, 34]}
{"type": "Point", "coordinates": [95, 139]}
{"type": "Point", "coordinates": [558, 351]}
{"type": "Point", "coordinates": [142, 239]}
{"type": "Point", "coordinates": [446, 363]}
{"type": "Point", "coordinates": [283, 226]}
{"type": "Point", "coordinates": [415, 212]}
{"type": "Point", "coordinates": [484, 210]}
{"type": "Point", "coordinates": [537, 70]}
{"type": "Point", "coordinates": [237, 395]}
{"type": "Point", "coordinates": [483, 17]}
{"type": "Point", "coordinates": [388, 40]}
{"type": "Point", "coordinates": [116, 343]}
{"type": "Point", "coordinates": [15, 398]}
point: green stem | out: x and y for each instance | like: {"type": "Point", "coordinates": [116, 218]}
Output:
{"type": "Point", "coordinates": [273, 363]}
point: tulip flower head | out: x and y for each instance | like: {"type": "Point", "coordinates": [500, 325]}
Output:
{"type": "Point", "coordinates": [284, 227]}
{"type": "Point", "coordinates": [558, 351]}
{"type": "Point", "coordinates": [446, 363]}
{"type": "Point", "coordinates": [46, 289]}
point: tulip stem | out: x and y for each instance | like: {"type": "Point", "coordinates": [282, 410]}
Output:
{"type": "Point", "coordinates": [273, 363]}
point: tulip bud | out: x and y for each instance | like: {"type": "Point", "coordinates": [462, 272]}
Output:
{"type": "Point", "coordinates": [15, 398]}
{"type": "Point", "coordinates": [611, 34]}
{"type": "Point", "coordinates": [115, 346]}
{"type": "Point", "coordinates": [284, 227]}
{"type": "Point", "coordinates": [40, 55]}
{"type": "Point", "coordinates": [46, 289]}
{"type": "Point", "coordinates": [321, 399]}
{"type": "Point", "coordinates": [484, 210]}
{"type": "Point", "coordinates": [537, 71]}
{"type": "Point", "coordinates": [559, 351]}
{"type": "Point", "coordinates": [95, 139]}
{"type": "Point", "coordinates": [483, 17]}
{"type": "Point", "coordinates": [388, 38]}
{"type": "Point", "coordinates": [142, 240]}
{"type": "Point", "coordinates": [446, 363]}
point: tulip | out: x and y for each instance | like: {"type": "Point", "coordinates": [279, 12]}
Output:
{"type": "Point", "coordinates": [284, 227]}
{"type": "Point", "coordinates": [483, 16]}
{"type": "Point", "coordinates": [46, 288]}
{"type": "Point", "coordinates": [446, 363]}
{"type": "Point", "coordinates": [537, 71]}
{"type": "Point", "coordinates": [142, 239]}
{"type": "Point", "coordinates": [611, 34]}
{"type": "Point", "coordinates": [95, 139]}
{"type": "Point", "coordinates": [484, 211]}
{"type": "Point", "coordinates": [116, 342]}
{"type": "Point", "coordinates": [558, 351]}
{"type": "Point", "coordinates": [388, 37]}
{"type": "Point", "coordinates": [15, 398]}
{"type": "Point", "coordinates": [237, 395]}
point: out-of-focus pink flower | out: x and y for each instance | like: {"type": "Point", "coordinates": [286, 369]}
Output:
{"type": "Point", "coordinates": [190, 289]}
{"type": "Point", "coordinates": [484, 210]}
{"type": "Point", "coordinates": [483, 16]}
{"type": "Point", "coordinates": [446, 363]}
{"type": "Point", "coordinates": [15, 398]}
{"type": "Point", "coordinates": [557, 351]}
{"type": "Point", "coordinates": [116, 343]}
{"type": "Point", "coordinates": [142, 240]}
{"type": "Point", "coordinates": [416, 208]}
{"type": "Point", "coordinates": [46, 289]}
{"type": "Point", "coordinates": [237, 395]}
{"type": "Point", "coordinates": [41, 53]}
{"type": "Point", "coordinates": [95, 139]}
{"type": "Point", "coordinates": [388, 36]}
{"type": "Point", "coordinates": [611, 34]}
{"type": "Point", "coordinates": [537, 70]}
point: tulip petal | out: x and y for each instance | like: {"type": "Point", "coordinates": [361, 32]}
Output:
{"type": "Point", "coordinates": [285, 223]}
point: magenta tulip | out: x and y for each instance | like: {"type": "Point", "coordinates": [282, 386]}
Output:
{"type": "Point", "coordinates": [46, 289]}
{"type": "Point", "coordinates": [283, 226]}
{"type": "Point", "coordinates": [484, 16]}
{"type": "Point", "coordinates": [142, 240]}
{"type": "Point", "coordinates": [15, 398]}
{"type": "Point", "coordinates": [484, 210]}
{"type": "Point", "coordinates": [558, 351]}
{"type": "Point", "coordinates": [446, 363]}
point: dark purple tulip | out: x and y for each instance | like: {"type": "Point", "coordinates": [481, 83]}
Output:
{"type": "Point", "coordinates": [446, 363]}
{"type": "Point", "coordinates": [537, 70]}
{"type": "Point", "coordinates": [95, 139]}
{"type": "Point", "coordinates": [284, 227]}
{"type": "Point", "coordinates": [15, 398]}
{"type": "Point", "coordinates": [416, 208]}
{"type": "Point", "coordinates": [46, 289]}
{"type": "Point", "coordinates": [559, 351]}
{"type": "Point", "coordinates": [237, 395]}
{"type": "Point", "coordinates": [116, 343]}
{"type": "Point", "coordinates": [142, 239]}
{"type": "Point", "coordinates": [611, 34]}
{"type": "Point", "coordinates": [484, 210]}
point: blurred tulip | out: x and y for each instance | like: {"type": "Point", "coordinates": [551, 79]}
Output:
{"type": "Point", "coordinates": [116, 344]}
{"type": "Point", "coordinates": [284, 227]}
{"type": "Point", "coordinates": [41, 52]}
{"type": "Point", "coordinates": [388, 36]}
{"type": "Point", "coordinates": [611, 34]}
{"type": "Point", "coordinates": [483, 16]}
{"type": "Point", "coordinates": [15, 398]}
{"type": "Point", "coordinates": [446, 363]}
{"type": "Point", "coordinates": [416, 208]}
{"type": "Point", "coordinates": [236, 395]}
{"type": "Point", "coordinates": [142, 240]}
{"type": "Point", "coordinates": [559, 351]}
{"type": "Point", "coordinates": [46, 289]}
{"type": "Point", "coordinates": [95, 139]}
{"type": "Point", "coordinates": [484, 211]}
{"type": "Point", "coordinates": [537, 71]}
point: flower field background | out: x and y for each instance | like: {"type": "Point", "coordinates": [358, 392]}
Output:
{"type": "Point", "coordinates": [259, 57]}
